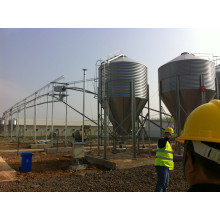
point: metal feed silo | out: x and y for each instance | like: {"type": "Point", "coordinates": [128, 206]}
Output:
{"type": "Point", "coordinates": [115, 77]}
{"type": "Point", "coordinates": [217, 70]}
{"type": "Point", "coordinates": [185, 83]}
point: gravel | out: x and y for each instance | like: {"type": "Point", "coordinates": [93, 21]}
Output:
{"type": "Point", "coordinates": [54, 176]}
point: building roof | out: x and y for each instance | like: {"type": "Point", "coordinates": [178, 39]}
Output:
{"type": "Point", "coordinates": [42, 122]}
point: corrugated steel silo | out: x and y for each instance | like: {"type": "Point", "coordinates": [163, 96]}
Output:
{"type": "Point", "coordinates": [188, 80]}
{"type": "Point", "coordinates": [217, 70]}
{"type": "Point", "coordinates": [119, 73]}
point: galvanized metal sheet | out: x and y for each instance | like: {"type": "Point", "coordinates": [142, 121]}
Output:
{"type": "Point", "coordinates": [187, 68]}
{"type": "Point", "coordinates": [189, 100]}
{"type": "Point", "coordinates": [189, 73]}
{"type": "Point", "coordinates": [217, 69]}
{"type": "Point", "coordinates": [119, 73]}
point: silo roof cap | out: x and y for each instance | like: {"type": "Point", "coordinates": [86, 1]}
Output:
{"type": "Point", "coordinates": [187, 56]}
{"type": "Point", "coordinates": [124, 59]}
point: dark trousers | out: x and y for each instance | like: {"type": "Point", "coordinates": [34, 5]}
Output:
{"type": "Point", "coordinates": [163, 179]}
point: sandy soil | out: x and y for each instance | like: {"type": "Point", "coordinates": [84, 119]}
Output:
{"type": "Point", "coordinates": [51, 173]}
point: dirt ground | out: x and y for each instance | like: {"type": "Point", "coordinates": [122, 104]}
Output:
{"type": "Point", "coordinates": [51, 173]}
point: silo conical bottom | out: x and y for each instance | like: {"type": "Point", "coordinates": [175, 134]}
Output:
{"type": "Point", "coordinates": [189, 100]}
{"type": "Point", "coordinates": [120, 113]}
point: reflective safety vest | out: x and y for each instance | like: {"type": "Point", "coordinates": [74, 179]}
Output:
{"type": "Point", "coordinates": [164, 156]}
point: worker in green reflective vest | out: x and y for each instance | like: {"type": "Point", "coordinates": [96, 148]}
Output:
{"type": "Point", "coordinates": [164, 160]}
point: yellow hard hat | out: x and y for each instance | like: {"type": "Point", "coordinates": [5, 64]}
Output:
{"type": "Point", "coordinates": [203, 124]}
{"type": "Point", "coordinates": [169, 130]}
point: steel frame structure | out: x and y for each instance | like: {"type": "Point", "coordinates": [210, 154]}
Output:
{"type": "Point", "coordinates": [52, 96]}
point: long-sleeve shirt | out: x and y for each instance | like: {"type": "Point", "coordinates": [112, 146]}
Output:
{"type": "Point", "coordinates": [162, 142]}
{"type": "Point", "coordinates": [204, 187]}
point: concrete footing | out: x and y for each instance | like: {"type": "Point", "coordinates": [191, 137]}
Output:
{"type": "Point", "coordinates": [78, 167]}
{"type": "Point", "coordinates": [120, 161]}
{"type": "Point", "coordinates": [97, 160]}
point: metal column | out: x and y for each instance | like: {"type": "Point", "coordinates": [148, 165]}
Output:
{"type": "Point", "coordinates": [178, 122]}
{"type": "Point", "coordinates": [133, 112]}
{"type": "Point", "coordinates": [11, 124]}
{"type": "Point", "coordinates": [142, 132]}
{"type": "Point", "coordinates": [98, 153]}
{"type": "Point", "coordinates": [148, 106]}
{"type": "Point", "coordinates": [52, 115]}
{"type": "Point", "coordinates": [17, 126]}
{"type": "Point", "coordinates": [47, 117]}
{"type": "Point", "coordinates": [217, 88]}
{"type": "Point", "coordinates": [5, 124]}
{"type": "Point", "coordinates": [24, 135]}
{"type": "Point", "coordinates": [35, 116]}
{"type": "Point", "coordinates": [114, 140]}
{"type": "Point", "coordinates": [202, 89]}
{"type": "Point", "coordinates": [99, 99]}
{"type": "Point", "coordinates": [161, 133]}
{"type": "Point", "coordinates": [138, 136]}
{"type": "Point", "coordinates": [66, 122]}
{"type": "Point", "coordinates": [105, 120]}
{"type": "Point", "coordinates": [84, 82]}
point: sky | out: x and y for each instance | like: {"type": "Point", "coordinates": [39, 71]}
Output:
{"type": "Point", "coordinates": [32, 57]}
{"type": "Point", "coordinates": [150, 32]}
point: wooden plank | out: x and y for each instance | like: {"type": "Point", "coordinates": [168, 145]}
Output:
{"type": "Point", "coordinates": [6, 172]}
{"type": "Point", "coordinates": [22, 150]}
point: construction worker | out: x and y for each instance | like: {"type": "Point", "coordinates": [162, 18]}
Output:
{"type": "Point", "coordinates": [201, 139]}
{"type": "Point", "coordinates": [164, 160]}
